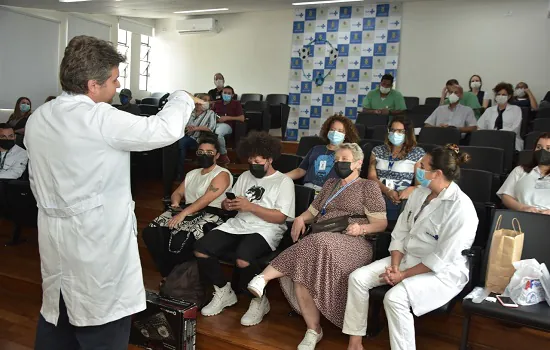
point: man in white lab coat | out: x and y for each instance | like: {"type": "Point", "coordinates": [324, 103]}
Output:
{"type": "Point", "coordinates": [79, 150]}
{"type": "Point", "coordinates": [426, 267]}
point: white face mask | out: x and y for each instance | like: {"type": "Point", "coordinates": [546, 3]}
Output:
{"type": "Point", "coordinates": [453, 98]}
{"type": "Point", "coordinates": [500, 99]}
{"type": "Point", "coordinates": [519, 92]}
{"type": "Point", "coordinates": [475, 85]}
{"type": "Point", "coordinates": [219, 83]}
{"type": "Point", "coordinates": [385, 90]}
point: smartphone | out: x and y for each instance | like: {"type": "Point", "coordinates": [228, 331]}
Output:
{"type": "Point", "coordinates": [230, 195]}
{"type": "Point", "coordinates": [506, 301]}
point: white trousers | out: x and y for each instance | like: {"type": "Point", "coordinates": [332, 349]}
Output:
{"type": "Point", "coordinates": [396, 304]}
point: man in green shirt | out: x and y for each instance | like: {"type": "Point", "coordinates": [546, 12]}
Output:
{"type": "Point", "coordinates": [385, 100]}
{"type": "Point", "coordinates": [468, 99]}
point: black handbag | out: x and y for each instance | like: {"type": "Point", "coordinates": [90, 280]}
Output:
{"type": "Point", "coordinates": [337, 224]}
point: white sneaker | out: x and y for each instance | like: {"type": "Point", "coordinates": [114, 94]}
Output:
{"type": "Point", "coordinates": [257, 285]}
{"type": "Point", "coordinates": [259, 307]}
{"type": "Point", "coordinates": [223, 297]}
{"type": "Point", "coordinates": [310, 340]}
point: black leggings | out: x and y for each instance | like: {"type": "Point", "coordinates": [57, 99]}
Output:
{"type": "Point", "coordinates": [219, 245]}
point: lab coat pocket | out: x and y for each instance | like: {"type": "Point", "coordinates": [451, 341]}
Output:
{"type": "Point", "coordinates": [430, 232]}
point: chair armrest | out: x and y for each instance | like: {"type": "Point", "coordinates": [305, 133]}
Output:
{"type": "Point", "coordinates": [380, 244]}
{"type": "Point", "coordinates": [473, 255]}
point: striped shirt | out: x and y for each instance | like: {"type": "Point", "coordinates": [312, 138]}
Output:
{"type": "Point", "coordinates": [397, 174]}
{"type": "Point", "coordinates": [207, 119]}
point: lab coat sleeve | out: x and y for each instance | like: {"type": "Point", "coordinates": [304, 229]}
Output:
{"type": "Point", "coordinates": [402, 228]}
{"type": "Point", "coordinates": [17, 169]}
{"type": "Point", "coordinates": [128, 132]}
{"type": "Point", "coordinates": [456, 234]}
{"type": "Point", "coordinates": [482, 123]}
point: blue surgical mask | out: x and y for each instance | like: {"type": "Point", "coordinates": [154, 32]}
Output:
{"type": "Point", "coordinates": [336, 137]}
{"type": "Point", "coordinates": [24, 107]}
{"type": "Point", "coordinates": [420, 177]}
{"type": "Point", "coordinates": [124, 99]}
{"type": "Point", "coordinates": [226, 97]}
{"type": "Point", "coordinates": [396, 139]}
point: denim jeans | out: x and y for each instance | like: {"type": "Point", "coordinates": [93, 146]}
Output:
{"type": "Point", "coordinates": [223, 129]}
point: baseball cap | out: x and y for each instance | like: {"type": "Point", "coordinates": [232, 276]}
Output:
{"type": "Point", "coordinates": [126, 92]}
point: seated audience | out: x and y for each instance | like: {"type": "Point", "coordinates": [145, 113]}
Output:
{"type": "Point", "coordinates": [126, 105]}
{"type": "Point", "coordinates": [264, 200]}
{"type": "Point", "coordinates": [313, 273]}
{"type": "Point", "coordinates": [523, 97]}
{"type": "Point", "coordinates": [229, 112]}
{"type": "Point", "coordinates": [475, 88]}
{"type": "Point", "coordinates": [468, 98]}
{"type": "Point", "coordinates": [13, 159]}
{"type": "Point", "coordinates": [49, 98]}
{"type": "Point", "coordinates": [318, 165]}
{"type": "Point", "coordinates": [426, 268]}
{"type": "Point", "coordinates": [20, 115]}
{"type": "Point", "coordinates": [393, 164]}
{"type": "Point", "coordinates": [201, 122]}
{"type": "Point", "coordinates": [527, 188]}
{"type": "Point", "coordinates": [454, 114]}
{"type": "Point", "coordinates": [503, 116]}
{"type": "Point", "coordinates": [170, 238]}
{"type": "Point", "coordinates": [385, 99]}
{"type": "Point", "coordinates": [216, 93]}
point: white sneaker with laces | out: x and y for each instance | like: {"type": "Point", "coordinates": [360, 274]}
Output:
{"type": "Point", "coordinates": [256, 286]}
{"type": "Point", "coordinates": [223, 297]}
{"type": "Point", "coordinates": [310, 340]}
{"type": "Point", "coordinates": [259, 307]}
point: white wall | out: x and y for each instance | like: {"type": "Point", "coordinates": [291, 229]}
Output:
{"type": "Point", "coordinates": [63, 18]}
{"type": "Point", "coordinates": [440, 40]}
{"type": "Point", "coordinates": [501, 41]}
{"type": "Point", "coordinates": [252, 51]}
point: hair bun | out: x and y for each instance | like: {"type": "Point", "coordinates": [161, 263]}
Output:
{"type": "Point", "coordinates": [463, 158]}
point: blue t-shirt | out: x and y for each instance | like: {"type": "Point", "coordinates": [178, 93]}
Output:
{"type": "Point", "coordinates": [318, 164]}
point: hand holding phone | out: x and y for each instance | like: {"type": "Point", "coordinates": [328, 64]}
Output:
{"type": "Point", "coordinates": [506, 301]}
{"type": "Point", "coordinates": [230, 196]}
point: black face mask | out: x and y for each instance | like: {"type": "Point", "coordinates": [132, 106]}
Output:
{"type": "Point", "coordinates": [7, 144]}
{"type": "Point", "coordinates": [205, 161]}
{"type": "Point", "coordinates": [542, 157]}
{"type": "Point", "coordinates": [257, 170]}
{"type": "Point", "coordinates": [343, 169]}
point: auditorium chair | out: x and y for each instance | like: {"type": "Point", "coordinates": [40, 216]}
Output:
{"type": "Point", "coordinates": [372, 119]}
{"type": "Point", "coordinates": [432, 101]}
{"type": "Point", "coordinates": [150, 101]}
{"type": "Point", "coordinates": [148, 109]}
{"type": "Point", "coordinates": [287, 162]}
{"type": "Point", "coordinates": [439, 136]}
{"type": "Point", "coordinates": [535, 246]}
{"type": "Point", "coordinates": [427, 147]}
{"type": "Point", "coordinates": [307, 143]}
{"type": "Point", "coordinates": [505, 140]}
{"type": "Point", "coordinates": [525, 157]}
{"type": "Point", "coordinates": [377, 132]}
{"type": "Point", "coordinates": [278, 110]}
{"type": "Point", "coordinates": [257, 116]}
{"type": "Point", "coordinates": [417, 119]}
{"type": "Point", "coordinates": [541, 124]}
{"type": "Point", "coordinates": [525, 120]}
{"type": "Point", "coordinates": [543, 113]}
{"type": "Point", "coordinates": [276, 99]}
{"type": "Point", "coordinates": [411, 102]}
{"type": "Point", "coordinates": [425, 110]}
{"type": "Point", "coordinates": [22, 209]}
{"type": "Point", "coordinates": [367, 150]}
{"type": "Point", "coordinates": [251, 97]}
{"type": "Point", "coordinates": [361, 130]}
{"type": "Point", "coordinates": [159, 95]}
{"type": "Point", "coordinates": [484, 158]}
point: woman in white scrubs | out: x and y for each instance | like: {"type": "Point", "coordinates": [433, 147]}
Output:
{"type": "Point", "coordinates": [426, 267]}
{"type": "Point", "coordinates": [527, 188]}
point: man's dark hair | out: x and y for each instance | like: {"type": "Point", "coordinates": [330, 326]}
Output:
{"type": "Point", "coordinates": [211, 139]}
{"type": "Point", "coordinates": [387, 77]}
{"type": "Point", "coordinates": [5, 126]}
{"type": "Point", "coordinates": [87, 58]}
{"type": "Point", "coordinates": [452, 82]}
{"type": "Point", "coordinates": [259, 144]}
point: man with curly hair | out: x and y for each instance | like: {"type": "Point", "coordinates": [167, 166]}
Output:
{"type": "Point", "coordinates": [264, 199]}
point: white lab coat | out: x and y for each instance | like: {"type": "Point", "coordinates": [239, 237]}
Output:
{"type": "Point", "coordinates": [445, 227]}
{"type": "Point", "coordinates": [79, 155]}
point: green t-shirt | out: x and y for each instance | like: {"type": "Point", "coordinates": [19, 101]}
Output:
{"type": "Point", "coordinates": [470, 100]}
{"type": "Point", "coordinates": [394, 101]}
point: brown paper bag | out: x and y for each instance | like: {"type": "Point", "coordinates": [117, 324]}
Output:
{"type": "Point", "coordinates": [506, 248]}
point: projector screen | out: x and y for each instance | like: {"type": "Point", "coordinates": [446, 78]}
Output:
{"type": "Point", "coordinates": [81, 26]}
{"type": "Point", "coordinates": [29, 58]}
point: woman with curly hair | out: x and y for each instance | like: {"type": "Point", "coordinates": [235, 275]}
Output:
{"type": "Point", "coordinates": [263, 199]}
{"type": "Point", "coordinates": [318, 165]}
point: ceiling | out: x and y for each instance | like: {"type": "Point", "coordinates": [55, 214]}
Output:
{"type": "Point", "coordinates": [166, 8]}
{"type": "Point", "coordinates": [160, 8]}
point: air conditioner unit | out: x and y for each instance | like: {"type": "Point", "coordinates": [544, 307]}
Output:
{"type": "Point", "coordinates": [199, 25]}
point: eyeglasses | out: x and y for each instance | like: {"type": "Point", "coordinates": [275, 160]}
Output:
{"type": "Point", "coordinates": [398, 131]}
{"type": "Point", "coordinates": [202, 153]}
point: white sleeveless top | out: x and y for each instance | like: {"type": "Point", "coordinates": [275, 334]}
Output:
{"type": "Point", "coordinates": [197, 184]}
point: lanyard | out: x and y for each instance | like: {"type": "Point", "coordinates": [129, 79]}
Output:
{"type": "Point", "coordinates": [391, 161]}
{"type": "Point", "coordinates": [324, 210]}
{"type": "Point", "coordinates": [3, 160]}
